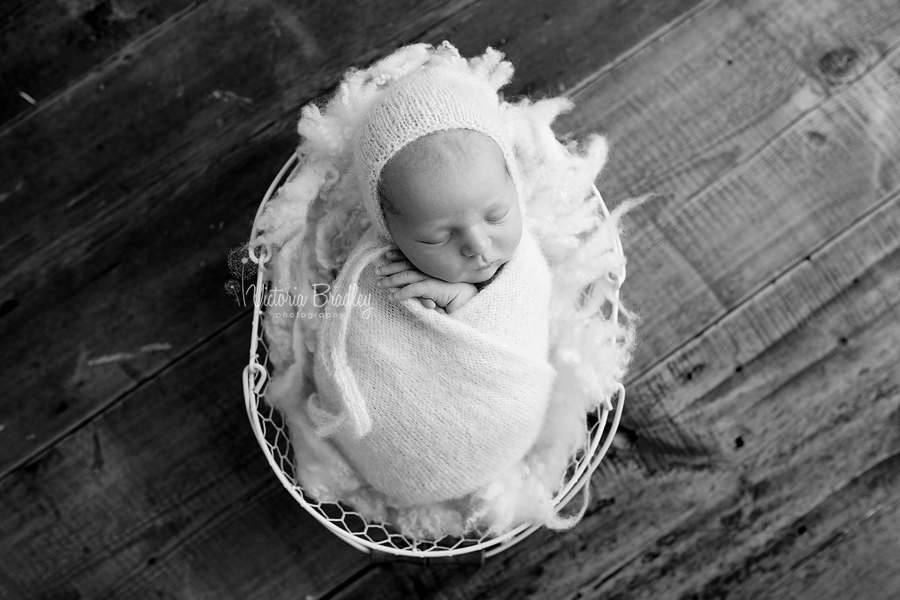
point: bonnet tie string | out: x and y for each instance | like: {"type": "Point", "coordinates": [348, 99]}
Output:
{"type": "Point", "coordinates": [335, 356]}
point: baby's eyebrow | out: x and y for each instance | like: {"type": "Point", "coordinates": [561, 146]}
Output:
{"type": "Point", "coordinates": [498, 206]}
{"type": "Point", "coordinates": [426, 228]}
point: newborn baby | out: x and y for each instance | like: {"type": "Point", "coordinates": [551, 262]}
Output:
{"type": "Point", "coordinates": [441, 386]}
{"type": "Point", "coordinates": [421, 394]}
{"type": "Point", "coordinates": [452, 209]}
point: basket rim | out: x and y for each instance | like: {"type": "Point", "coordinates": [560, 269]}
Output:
{"type": "Point", "coordinates": [255, 376]}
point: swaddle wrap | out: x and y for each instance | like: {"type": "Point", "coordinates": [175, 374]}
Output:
{"type": "Point", "coordinates": [428, 406]}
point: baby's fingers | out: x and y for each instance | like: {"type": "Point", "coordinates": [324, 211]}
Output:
{"type": "Point", "coordinates": [401, 279]}
{"type": "Point", "coordinates": [419, 289]}
{"type": "Point", "coordinates": [394, 267]}
{"type": "Point", "coordinates": [394, 254]}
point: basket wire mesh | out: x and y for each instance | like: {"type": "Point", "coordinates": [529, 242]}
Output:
{"type": "Point", "coordinates": [273, 436]}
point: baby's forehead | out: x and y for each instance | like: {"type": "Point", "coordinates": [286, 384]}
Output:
{"type": "Point", "coordinates": [442, 149]}
{"type": "Point", "coordinates": [455, 142]}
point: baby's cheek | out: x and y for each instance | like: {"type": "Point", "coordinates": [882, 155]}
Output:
{"type": "Point", "coordinates": [510, 244]}
{"type": "Point", "coordinates": [443, 271]}
{"type": "Point", "coordinates": [428, 262]}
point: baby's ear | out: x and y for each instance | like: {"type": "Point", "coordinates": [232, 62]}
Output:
{"type": "Point", "coordinates": [509, 174]}
{"type": "Point", "coordinates": [386, 205]}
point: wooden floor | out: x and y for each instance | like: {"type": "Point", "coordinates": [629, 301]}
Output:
{"type": "Point", "coordinates": [760, 450]}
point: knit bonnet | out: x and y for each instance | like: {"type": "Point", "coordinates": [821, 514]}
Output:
{"type": "Point", "coordinates": [429, 100]}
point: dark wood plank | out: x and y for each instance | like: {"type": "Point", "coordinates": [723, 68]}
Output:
{"type": "Point", "coordinates": [45, 45]}
{"type": "Point", "coordinates": [684, 113]}
{"type": "Point", "coordinates": [556, 48]}
{"type": "Point", "coordinates": [166, 495]}
{"type": "Point", "coordinates": [149, 204]}
{"type": "Point", "coordinates": [847, 547]}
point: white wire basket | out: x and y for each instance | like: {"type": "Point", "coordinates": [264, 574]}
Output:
{"type": "Point", "coordinates": [380, 540]}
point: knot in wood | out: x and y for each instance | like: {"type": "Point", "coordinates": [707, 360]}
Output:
{"type": "Point", "coordinates": [846, 64]}
{"type": "Point", "coordinates": [838, 62]}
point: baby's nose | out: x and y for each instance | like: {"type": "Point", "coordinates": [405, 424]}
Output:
{"type": "Point", "coordinates": [476, 243]}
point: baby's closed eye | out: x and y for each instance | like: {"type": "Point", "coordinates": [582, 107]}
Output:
{"type": "Point", "coordinates": [498, 217]}
{"type": "Point", "coordinates": [435, 242]}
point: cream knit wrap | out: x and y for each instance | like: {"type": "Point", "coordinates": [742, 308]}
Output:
{"type": "Point", "coordinates": [427, 406]}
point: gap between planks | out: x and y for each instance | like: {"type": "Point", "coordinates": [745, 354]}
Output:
{"type": "Point", "coordinates": [174, 544]}
{"type": "Point", "coordinates": [100, 68]}
{"type": "Point", "coordinates": [790, 266]}
{"type": "Point", "coordinates": [654, 38]}
{"type": "Point", "coordinates": [122, 397]}
{"type": "Point", "coordinates": [133, 47]}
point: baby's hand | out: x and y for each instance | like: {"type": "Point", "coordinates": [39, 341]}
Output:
{"type": "Point", "coordinates": [412, 283]}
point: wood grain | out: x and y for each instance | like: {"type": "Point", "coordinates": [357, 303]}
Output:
{"type": "Point", "coordinates": [203, 551]}
{"type": "Point", "coordinates": [45, 45]}
{"type": "Point", "coordinates": [832, 414]}
{"type": "Point", "coordinates": [683, 116]}
{"type": "Point", "coordinates": [128, 223]}
{"type": "Point", "coordinates": [847, 547]}
{"type": "Point", "coordinates": [854, 131]}
{"type": "Point", "coordinates": [855, 544]}
{"type": "Point", "coordinates": [699, 526]}
{"type": "Point", "coordinates": [778, 307]}
{"type": "Point", "coordinates": [151, 498]}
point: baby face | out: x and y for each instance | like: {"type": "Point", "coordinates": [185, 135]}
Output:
{"type": "Point", "coordinates": [451, 206]}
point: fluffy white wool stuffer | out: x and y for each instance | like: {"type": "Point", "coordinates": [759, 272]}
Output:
{"type": "Point", "coordinates": [427, 406]}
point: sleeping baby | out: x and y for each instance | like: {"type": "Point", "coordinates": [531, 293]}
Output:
{"type": "Point", "coordinates": [442, 387]}
{"type": "Point", "coordinates": [452, 209]}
